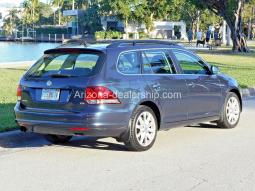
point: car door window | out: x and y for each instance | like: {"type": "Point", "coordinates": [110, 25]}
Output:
{"type": "Point", "coordinates": [128, 63]}
{"type": "Point", "coordinates": [191, 64]}
{"type": "Point", "coordinates": [160, 62]}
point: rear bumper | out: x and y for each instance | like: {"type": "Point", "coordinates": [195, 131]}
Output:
{"type": "Point", "coordinates": [100, 121]}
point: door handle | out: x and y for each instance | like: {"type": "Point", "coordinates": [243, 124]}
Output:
{"type": "Point", "coordinates": [157, 85]}
{"type": "Point", "coordinates": [192, 84]}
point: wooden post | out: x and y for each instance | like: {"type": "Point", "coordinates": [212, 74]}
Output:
{"type": "Point", "coordinates": [49, 37]}
{"type": "Point", "coordinates": [63, 37]}
{"type": "Point", "coordinates": [55, 38]}
{"type": "Point", "coordinates": [41, 37]}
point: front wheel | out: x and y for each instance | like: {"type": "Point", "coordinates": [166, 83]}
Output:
{"type": "Point", "coordinates": [231, 110]}
{"type": "Point", "coordinates": [143, 129]}
{"type": "Point", "coordinates": [57, 138]}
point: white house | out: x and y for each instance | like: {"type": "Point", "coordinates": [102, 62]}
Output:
{"type": "Point", "coordinates": [163, 29]}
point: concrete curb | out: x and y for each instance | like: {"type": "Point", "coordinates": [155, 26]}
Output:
{"type": "Point", "coordinates": [248, 92]}
{"type": "Point", "coordinates": [17, 64]}
{"type": "Point", "coordinates": [11, 138]}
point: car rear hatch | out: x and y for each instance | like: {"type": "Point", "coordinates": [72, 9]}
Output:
{"type": "Point", "coordinates": [58, 81]}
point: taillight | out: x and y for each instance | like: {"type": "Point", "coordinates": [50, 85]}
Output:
{"type": "Point", "coordinates": [19, 93]}
{"type": "Point", "coordinates": [100, 95]}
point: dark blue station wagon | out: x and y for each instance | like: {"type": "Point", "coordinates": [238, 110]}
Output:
{"type": "Point", "coordinates": [127, 90]}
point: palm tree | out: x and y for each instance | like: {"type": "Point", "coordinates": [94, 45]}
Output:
{"type": "Point", "coordinates": [33, 5]}
{"type": "Point", "coordinates": [12, 15]}
{"type": "Point", "coordinates": [60, 4]}
{"type": "Point", "coordinates": [26, 17]}
{"type": "Point", "coordinates": [7, 25]}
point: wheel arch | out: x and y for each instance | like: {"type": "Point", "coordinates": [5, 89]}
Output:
{"type": "Point", "coordinates": [155, 109]}
{"type": "Point", "coordinates": [237, 92]}
{"type": "Point", "coordinates": [149, 103]}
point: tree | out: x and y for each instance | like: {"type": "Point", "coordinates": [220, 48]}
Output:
{"type": "Point", "coordinates": [189, 10]}
{"type": "Point", "coordinates": [233, 12]}
{"type": "Point", "coordinates": [59, 4]}
{"type": "Point", "coordinates": [149, 10]}
{"type": "Point", "coordinates": [91, 18]}
{"type": "Point", "coordinates": [26, 17]}
{"type": "Point", "coordinates": [12, 14]}
{"type": "Point", "coordinates": [123, 10]}
{"type": "Point", "coordinates": [7, 25]}
{"type": "Point", "coordinates": [33, 4]}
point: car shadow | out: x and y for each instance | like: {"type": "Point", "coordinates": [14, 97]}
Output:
{"type": "Point", "coordinates": [95, 143]}
{"type": "Point", "coordinates": [205, 125]}
{"type": "Point", "coordinates": [76, 142]}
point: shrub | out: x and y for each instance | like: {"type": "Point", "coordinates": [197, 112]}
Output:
{"type": "Point", "coordinates": [142, 34]}
{"type": "Point", "coordinates": [130, 34]}
{"type": "Point", "coordinates": [113, 34]}
{"type": "Point", "coordinates": [99, 35]}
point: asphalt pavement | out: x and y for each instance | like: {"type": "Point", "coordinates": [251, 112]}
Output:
{"type": "Point", "coordinates": [198, 157]}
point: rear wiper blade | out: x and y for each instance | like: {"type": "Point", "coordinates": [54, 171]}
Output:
{"type": "Point", "coordinates": [62, 76]}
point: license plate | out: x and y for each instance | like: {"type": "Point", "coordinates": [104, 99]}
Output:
{"type": "Point", "coordinates": [50, 94]}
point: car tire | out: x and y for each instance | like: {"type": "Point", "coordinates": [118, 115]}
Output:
{"type": "Point", "coordinates": [143, 129]}
{"type": "Point", "coordinates": [231, 110]}
{"type": "Point", "coordinates": [57, 138]}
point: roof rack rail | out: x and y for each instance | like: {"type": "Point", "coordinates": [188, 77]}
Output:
{"type": "Point", "coordinates": [73, 42]}
{"type": "Point", "coordinates": [135, 42]}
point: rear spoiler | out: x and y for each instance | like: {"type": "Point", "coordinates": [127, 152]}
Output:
{"type": "Point", "coordinates": [71, 50]}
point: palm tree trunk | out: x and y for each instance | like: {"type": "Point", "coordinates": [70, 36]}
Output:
{"type": "Point", "coordinates": [12, 26]}
{"type": "Point", "coordinates": [58, 16]}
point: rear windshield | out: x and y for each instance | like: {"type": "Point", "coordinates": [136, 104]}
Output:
{"type": "Point", "coordinates": [72, 65]}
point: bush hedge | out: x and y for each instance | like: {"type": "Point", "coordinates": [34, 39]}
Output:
{"type": "Point", "coordinates": [99, 35]}
{"type": "Point", "coordinates": [110, 34]}
{"type": "Point", "coordinates": [142, 34]}
{"type": "Point", "coordinates": [51, 30]}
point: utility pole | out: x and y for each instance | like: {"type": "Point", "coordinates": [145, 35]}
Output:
{"type": "Point", "coordinates": [73, 4]}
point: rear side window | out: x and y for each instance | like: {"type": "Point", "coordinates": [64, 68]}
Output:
{"type": "Point", "coordinates": [75, 65]}
{"type": "Point", "coordinates": [160, 62]}
{"type": "Point", "coordinates": [128, 63]}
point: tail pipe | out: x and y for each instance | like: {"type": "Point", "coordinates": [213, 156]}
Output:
{"type": "Point", "coordinates": [23, 129]}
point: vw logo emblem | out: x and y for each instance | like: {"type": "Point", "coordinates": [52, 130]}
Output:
{"type": "Point", "coordinates": [49, 83]}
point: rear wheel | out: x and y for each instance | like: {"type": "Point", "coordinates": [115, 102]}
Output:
{"type": "Point", "coordinates": [230, 112]}
{"type": "Point", "coordinates": [143, 129]}
{"type": "Point", "coordinates": [57, 138]}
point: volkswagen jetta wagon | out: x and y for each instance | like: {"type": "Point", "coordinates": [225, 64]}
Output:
{"type": "Point", "coordinates": [128, 90]}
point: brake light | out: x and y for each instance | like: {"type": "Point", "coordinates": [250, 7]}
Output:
{"type": "Point", "coordinates": [79, 129]}
{"type": "Point", "coordinates": [19, 93]}
{"type": "Point", "coordinates": [69, 50]}
{"type": "Point", "coordinates": [100, 95]}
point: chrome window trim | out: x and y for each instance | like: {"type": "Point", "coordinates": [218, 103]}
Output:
{"type": "Point", "coordinates": [140, 62]}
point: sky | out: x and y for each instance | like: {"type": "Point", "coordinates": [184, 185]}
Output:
{"type": "Point", "coordinates": [17, 2]}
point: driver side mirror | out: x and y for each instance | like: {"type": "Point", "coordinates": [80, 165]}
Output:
{"type": "Point", "coordinates": [215, 70]}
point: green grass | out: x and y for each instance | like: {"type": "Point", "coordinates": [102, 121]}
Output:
{"type": "Point", "coordinates": [9, 79]}
{"type": "Point", "coordinates": [240, 66]}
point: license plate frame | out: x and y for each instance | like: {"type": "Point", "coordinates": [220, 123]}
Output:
{"type": "Point", "coordinates": [50, 94]}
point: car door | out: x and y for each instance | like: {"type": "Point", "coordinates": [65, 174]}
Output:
{"type": "Point", "coordinates": [168, 87]}
{"type": "Point", "coordinates": [204, 88]}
